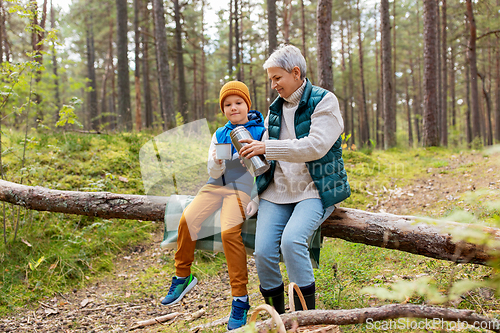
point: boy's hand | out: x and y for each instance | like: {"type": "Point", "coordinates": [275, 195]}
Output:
{"type": "Point", "coordinates": [253, 148]}
{"type": "Point", "coordinates": [219, 162]}
{"type": "Point", "coordinates": [252, 208]}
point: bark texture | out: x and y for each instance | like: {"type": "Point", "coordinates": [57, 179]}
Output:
{"type": "Point", "coordinates": [182, 99]}
{"type": "Point", "coordinates": [148, 105]}
{"type": "Point", "coordinates": [444, 95]}
{"type": "Point", "coordinates": [430, 134]}
{"type": "Point", "coordinates": [325, 71]}
{"type": "Point", "coordinates": [272, 33]}
{"type": "Point", "coordinates": [98, 204]}
{"type": "Point", "coordinates": [382, 230]}
{"type": "Point", "coordinates": [93, 111]}
{"type": "Point", "coordinates": [364, 121]}
{"type": "Point", "coordinates": [167, 109]}
{"type": "Point", "coordinates": [388, 88]}
{"type": "Point", "coordinates": [471, 54]}
{"type": "Point", "coordinates": [124, 111]}
{"type": "Point", "coordinates": [137, 72]}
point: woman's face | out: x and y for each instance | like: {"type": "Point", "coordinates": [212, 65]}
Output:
{"type": "Point", "coordinates": [285, 83]}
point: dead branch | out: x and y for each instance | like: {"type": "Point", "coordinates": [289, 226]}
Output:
{"type": "Point", "coordinates": [385, 312]}
{"type": "Point", "coordinates": [157, 320]}
{"type": "Point", "coordinates": [403, 233]}
{"type": "Point", "coordinates": [488, 33]}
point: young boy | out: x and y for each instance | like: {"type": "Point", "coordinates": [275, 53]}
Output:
{"type": "Point", "coordinates": [229, 187]}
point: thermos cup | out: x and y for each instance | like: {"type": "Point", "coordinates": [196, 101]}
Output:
{"type": "Point", "coordinates": [257, 165]}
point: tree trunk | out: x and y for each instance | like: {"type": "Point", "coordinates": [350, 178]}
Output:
{"type": "Point", "coordinates": [439, 71]}
{"type": "Point", "coordinates": [394, 57]}
{"type": "Point", "coordinates": [388, 89]}
{"type": "Point", "coordinates": [476, 120]}
{"type": "Point", "coordinates": [237, 39]}
{"type": "Point", "coordinates": [351, 85]}
{"type": "Point", "coordinates": [106, 115]}
{"type": "Point", "coordinates": [230, 56]}
{"type": "Point", "coordinates": [410, 131]}
{"type": "Point", "coordinates": [37, 37]}
{"type": "Point", "coordinates": [287, 15]}
{"type": "Point", "coordinates": [363, 119]}
{"type": "Point", "coordinates": [468, 100]}
{"type": "Point", "coordinates": [419, 76]}
{"type": "Point", "coordinates": [137, 72]}
{"type": "Point", "coordinates": [324, 40]}
{"type": "Point", "coordinates": [93, 112]}
{"type": "Point", "coordinates": [5, 40]}
{"type": "Point", "coordinates": [165, 88]}
{"type": "Point", "coordinates": [124, 111]}
{"type": "Point", "coordinates": [497, 112]}
{"type": "Point", "coordinates": [2, 19]}
{"type": "Point", "coordinates": [444, 102]}
{"type": "Point", "coordinates": [344, 83]}
{"type": "Point", "coordinates": [430, 137]}
{"type": "Point", "coordinates": [205, 110]}
{"type": "Point", "coordinates": [487, 99]}
{"type": "Point", "coordinates": [452, 87]}
{"type": "Point", "coordinates": [402, 233]}
{"type": "Point", "coordinates": [303, 16]}
{"type": "Point", "coordinates": [416, 100]}
{"type": "Point", "coordinates": [182, 103]}
{"type": "Point", "coordinates": [195, 88]}
{"type": "Point", "coordinates": [378, 70]}
{"type": "Point", "coordinates": [148, 106]}
{"type": "Point", "coordinates": [272, 33]}
{"type": "Point", "coordinates": [54, 58]}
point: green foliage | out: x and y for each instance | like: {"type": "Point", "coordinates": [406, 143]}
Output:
{"type": "Point", "coordinates": [55, 252]}
{"type": "Point", "coordinates": [484, 211]}
{"type": "Point", "coordinates": [67, 113]}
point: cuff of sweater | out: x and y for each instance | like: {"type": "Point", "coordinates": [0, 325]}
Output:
{"type": "Point", "coordinates": [275, 149]}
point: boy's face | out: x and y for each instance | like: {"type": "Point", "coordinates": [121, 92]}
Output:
{"type": "Point", "coordinates": [235, 109]}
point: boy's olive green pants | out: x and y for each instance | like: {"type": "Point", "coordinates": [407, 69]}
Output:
{"type": "Point", "coordinates": [208, 200]}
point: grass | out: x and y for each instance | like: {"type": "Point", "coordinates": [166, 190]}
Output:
{"type": "Point", "coordinates": [55, 252]}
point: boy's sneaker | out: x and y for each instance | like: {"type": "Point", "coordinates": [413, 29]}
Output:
{"type": "Point", "coordinates": [178, 289]}
{"type": "Point", "coordinates": [238, 315]}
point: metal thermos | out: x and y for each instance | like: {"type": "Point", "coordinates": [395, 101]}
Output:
{"type": "Point", "coordinates": [257, 165]}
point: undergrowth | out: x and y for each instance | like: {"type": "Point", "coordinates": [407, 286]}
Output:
{"type": "Point", "coordinates": [52, 252]}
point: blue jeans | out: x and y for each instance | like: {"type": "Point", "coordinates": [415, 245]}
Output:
{"type": "Point", "coordinates": [286, 226]}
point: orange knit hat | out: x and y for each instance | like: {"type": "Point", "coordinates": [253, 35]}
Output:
{"type": "Point", "coordinates": [234, 88]}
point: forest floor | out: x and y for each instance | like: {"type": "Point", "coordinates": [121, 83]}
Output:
{"type": "Point", "coordinates": [133, 291]}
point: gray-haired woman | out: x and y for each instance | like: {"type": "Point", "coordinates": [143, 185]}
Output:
{"type": "Point", "coordinates": [306, 177]}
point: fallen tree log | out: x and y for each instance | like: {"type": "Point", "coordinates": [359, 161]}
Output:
{"type": "Point", "coordinates": [403, 233]}
{"type": "Point", "coordinates": [456, 320]}
{"type": "Point", "coordinates": [99, 204]}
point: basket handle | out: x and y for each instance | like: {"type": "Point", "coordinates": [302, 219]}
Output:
{"type": "Point", "coordinates": [274, 315]}
{"type": "Point", "coordinates": [291, 287]}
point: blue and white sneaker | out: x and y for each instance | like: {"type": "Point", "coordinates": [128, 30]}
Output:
{"type": "Point", "coordinates": [238, 315]}
{"type": "Point", "coordinates": [178, 289]}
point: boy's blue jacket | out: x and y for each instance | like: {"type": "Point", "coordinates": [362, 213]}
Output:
{"type": "Point", "coordinates": [236, 175]}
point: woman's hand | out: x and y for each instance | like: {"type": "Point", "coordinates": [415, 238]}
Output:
{"type": "Point", "coordinates": [219, 162]}
{"type": "Point", "coordinates": [253, 148]}
{"type": "Point", "coordinates": [252, 208]}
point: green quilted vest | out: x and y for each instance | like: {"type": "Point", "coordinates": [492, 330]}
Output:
{"type": "Point", "coordinates": [328, 172]}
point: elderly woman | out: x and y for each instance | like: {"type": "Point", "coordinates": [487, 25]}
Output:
{"type": "Point", "coordinates": [306, 178]}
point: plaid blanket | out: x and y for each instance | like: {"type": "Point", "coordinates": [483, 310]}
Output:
{"type": "Point", "coordinates": [211, 226]}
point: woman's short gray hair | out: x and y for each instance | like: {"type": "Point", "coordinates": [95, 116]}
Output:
{"type": "Point", "coordinates": [287, 57]}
